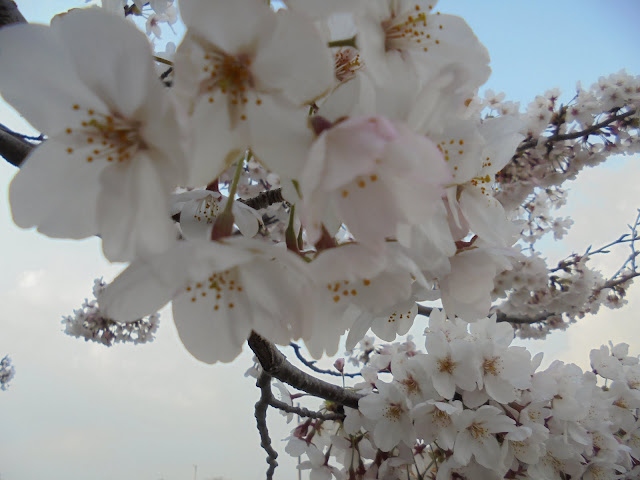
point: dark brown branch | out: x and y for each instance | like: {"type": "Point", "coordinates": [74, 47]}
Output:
{"type": "Point", "coordinates": [275, 364]}
{"type": "Point", "coordinates": [593, 129]}
{"type": "Point", "coordinates": [311, 364]}
{"type": "Point", "coordinates": [264, 383]}
{"type": "Point", "coordinates": [265, 199]}
{"type": "Point", "coordinates": [13, 147]}
{"type": "Point", "coordinates": [9, 13]}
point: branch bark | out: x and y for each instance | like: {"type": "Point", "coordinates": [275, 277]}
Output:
{"type": "Point", "coordinates": [276, 365]}
{"type": "Point", "coordinates": [9, 13]}
{"type": "Point", "coordinates": [13, 148]}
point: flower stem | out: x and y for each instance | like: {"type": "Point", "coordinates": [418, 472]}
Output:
{"type": "Point", "coordinates": [345, 42]}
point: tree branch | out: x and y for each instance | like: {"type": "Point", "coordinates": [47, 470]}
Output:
{"type": "Point", "coordinates": [311, 364]}
{"type": "Point", "coordinates": [13, 147]}
{"type": "Point", "coordinates": [275, 364]}
{"type": "Point", "coordinates": [527, 144]}
{"type": "Point", "coordinates": [264, 383]}
{"type": "Point", "coordinates": [9, 13]}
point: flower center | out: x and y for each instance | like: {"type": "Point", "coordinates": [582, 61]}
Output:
{"type": "Point", "coordinates": [406, 28]}
{"type": "Point", "coordinates": [477, 430]}
{"type": "Point", "coordinates": [446, 365]}
{"type": "Point", "coordinates": [492, 366]}
{"type": "Point", "coordinates": [347, 63]}
{"type": "Point", "coordinates": [394, 411]}
{"type": "Point", "coordinates": [230, 75]}
{"type": "Point", "coordinates": [221, 288]}
{"type": "Point", "coordinates": [208, 211]}
{"type": "Point", "coordinates": [112, 137]}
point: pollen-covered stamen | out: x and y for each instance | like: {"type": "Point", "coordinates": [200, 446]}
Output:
{"type": "Point", "coordinates": [231, 75]}
{"type": "Point", "coordinates": [492, 366]}
{"type": "Point", "coordinates": [441, 418]}
{"type": "Point", "coordinates": [411, 385]}
{"type": "Point", "coordinates": [222, 289]}
{"type": "Point", "coordinates": [111, 137]}
{"type": "Point", "coordinates": [347, 63]}
{"type": "Point", "coordinates": [394, 411]}
{"type": "Point", "coordinates": [208, 210]}
{"type": "Point", "coordinates": [446, 365]}
{"type": "Point", "coordinates": [478, 430]}
{"type": "Point", "coordinates": [408, 30]}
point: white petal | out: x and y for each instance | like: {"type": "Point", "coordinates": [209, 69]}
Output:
{"type": "Point", "coordinates": [133, 210]}
{"type": "Point", "coordinates": [109, 53]}
{"type": "Point", "coordinates": [293, 51]}
{"type": "Point", "coordinates": [57, 192]}
{"type": "Point", "coordinates": [26, 88]}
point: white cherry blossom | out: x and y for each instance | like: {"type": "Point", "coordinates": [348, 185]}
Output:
{"type": "Point", "coordinates": [372, 175]}
{"type": "Point", "coordinates": [113, 154]}
{"type": "Point", "coordinates": [221, 291]}
{"type": "Point", "coordinates": [237, 78]}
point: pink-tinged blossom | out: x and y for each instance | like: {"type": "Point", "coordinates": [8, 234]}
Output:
{"type": "Point", "coordinates": [113, 153]}
{"type": "Point", "coordinates": [237, 73]}
{"type": "Point", "coordinates": [372, 175]}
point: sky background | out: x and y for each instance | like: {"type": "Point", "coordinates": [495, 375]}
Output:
{"type": "Point", "coordinates": [78, 410]}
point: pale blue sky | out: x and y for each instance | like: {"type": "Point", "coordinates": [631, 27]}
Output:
{"type": "Point", "coordinates": [79, 411]}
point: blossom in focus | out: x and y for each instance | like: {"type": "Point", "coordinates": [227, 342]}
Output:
{"type": "Point", "coordinates": [112, 154]}
{"type": "Point", "coordinates": [390, 410]}
{"type": "Point", "coordinates": [237, 74]}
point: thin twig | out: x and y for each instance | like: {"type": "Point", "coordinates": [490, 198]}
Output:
{"type": "Point", "coordinates": [311, 364]}
{"type": "Point", "coordinates": [303, 412]}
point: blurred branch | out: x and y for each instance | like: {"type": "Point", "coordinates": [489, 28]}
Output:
{"type": "Point", "coordinates": [9, 13]}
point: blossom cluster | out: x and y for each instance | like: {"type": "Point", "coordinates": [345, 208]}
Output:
{"type": "Point", "coordinates": [385, 205]}
{"type": "Point", "coordinates": [88, 322]}
{"type": "Point", "coordinates": [474, 406]}
{"type": "Point", "coordinates": [7, 372]}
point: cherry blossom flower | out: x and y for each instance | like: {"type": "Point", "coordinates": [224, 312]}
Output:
{"type": "Point", "coordinates": [372, 175]}
{"type": "Point", "coordinates": [221, 291]}
{"type": "Point", "coordinates": [113, 154]}
{"type": "Point", "coordinates": [237, 78]}
{"type": "Point", "coordinates": [426, 40]}
{"type": "Point", "coordinates": [199, 208]}
{"type": "Point", "coordinates": [451, 364]}
{"type": "Point", "coordinates": [390, 410]}
{"type": "Point", "coordinates": [476, 435]}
